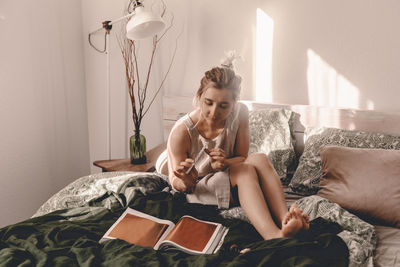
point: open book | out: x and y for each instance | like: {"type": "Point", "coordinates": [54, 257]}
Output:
{"type": "Point", "coordinates": [190, 235]}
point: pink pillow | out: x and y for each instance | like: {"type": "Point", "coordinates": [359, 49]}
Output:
{"type": "Point", "coordinates": [363, 181]}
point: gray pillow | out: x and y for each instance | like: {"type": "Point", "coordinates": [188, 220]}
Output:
{"type": "Point", "coordinates": [307, 176]}
{"type": "Point", "coordinates": [271, 134]}
{"type": "Point", "coordinates": [363, 181]}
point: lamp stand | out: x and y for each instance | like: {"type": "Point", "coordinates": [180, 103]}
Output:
{"type": "Point", "coordinates": [108, 95]}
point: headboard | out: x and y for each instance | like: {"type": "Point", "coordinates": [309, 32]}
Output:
{"type": "Point", "coordinates": [349, 119]}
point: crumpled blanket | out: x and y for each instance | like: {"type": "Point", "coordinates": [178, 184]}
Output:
{"type": "Point", "coordinates": [358, 235]}
{"type": "Point", "coordinates": [90, 187]}
{"type": "Point", "coordinates": [69, 236]}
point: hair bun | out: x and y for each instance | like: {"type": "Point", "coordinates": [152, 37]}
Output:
{"type": "Point", "coordinates": [230, 57]}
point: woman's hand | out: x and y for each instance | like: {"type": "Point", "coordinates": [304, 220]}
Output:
{"type": "Point", "coordinates": [217, 159]}
{"type": "Point", "coordinates": [187, 180]}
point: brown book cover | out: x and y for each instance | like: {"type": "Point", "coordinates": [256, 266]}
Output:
{"type": "Point", "coordinates": [190, 235]}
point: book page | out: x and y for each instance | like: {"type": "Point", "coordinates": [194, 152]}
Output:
{"type": "Point", "coordinates": [193, 234]}
{"type": "Point", "coordinates": [139, 228]}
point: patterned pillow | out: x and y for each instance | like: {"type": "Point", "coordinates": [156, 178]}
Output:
{"type": "Point", "coordinates": [270, 133]}
{"type": "Point", "coordinates": [307, 176]}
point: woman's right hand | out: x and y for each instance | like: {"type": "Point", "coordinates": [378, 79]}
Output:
{"type": "Point", "coordinates": [187, 180]}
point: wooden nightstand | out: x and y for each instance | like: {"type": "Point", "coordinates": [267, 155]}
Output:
{"type": "Point", "coordinates": [125, 164]}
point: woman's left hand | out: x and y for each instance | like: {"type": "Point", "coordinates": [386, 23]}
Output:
{"type": "Point", "coordinates": [217, 159]}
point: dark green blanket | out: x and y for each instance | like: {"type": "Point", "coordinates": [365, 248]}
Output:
{"type": "Point", "coordinates": [70, 237]}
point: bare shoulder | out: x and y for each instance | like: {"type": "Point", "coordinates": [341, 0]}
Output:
{"type": "Point", "coordinates": [179, 136]}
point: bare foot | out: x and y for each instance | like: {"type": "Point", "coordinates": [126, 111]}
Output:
{"type": "Point", "coordinates": [304, 217]}
{"type": "Point", "coordinates": [306, 221]}
{"type": "Point", "coordinates": [291, 224]}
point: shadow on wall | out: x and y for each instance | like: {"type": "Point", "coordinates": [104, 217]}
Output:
{"type": "Point", "coordinates": [328, 88]}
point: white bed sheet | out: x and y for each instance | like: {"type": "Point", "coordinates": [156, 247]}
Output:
{"type": "Point", "coordinates": [387, 253]}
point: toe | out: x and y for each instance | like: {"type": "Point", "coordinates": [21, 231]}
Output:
{"type": "Point", "coordinates": [293, 207]}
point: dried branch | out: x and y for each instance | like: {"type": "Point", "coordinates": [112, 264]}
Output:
{"type": "Point", "coordinates": [129, 51]}
{"type": "Point", "coordinates": [168, 28]}
{"type": "Point", "coordinates": [165, 76]}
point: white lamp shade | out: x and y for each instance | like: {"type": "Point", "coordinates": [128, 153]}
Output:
{"type": "Point", "coordinates": [143, 24]}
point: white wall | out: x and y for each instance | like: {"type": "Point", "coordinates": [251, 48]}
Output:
{"type": "Point", "coordinates": [352, 43]}
{"type": "Point", "coordinates": [337, 53]}
{"type": "Point", "coordinates": [43, 118]}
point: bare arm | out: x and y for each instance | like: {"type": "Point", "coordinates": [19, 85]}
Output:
{"type": "Point", "coordinates": [178, 162]}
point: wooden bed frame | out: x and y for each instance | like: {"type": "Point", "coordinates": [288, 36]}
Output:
{"type": "Point", "coordinates": [349, 119]}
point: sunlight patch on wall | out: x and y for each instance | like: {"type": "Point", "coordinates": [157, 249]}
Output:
{"type": "Point", "coordinates": [264, 40]}
{"type": "Point", "coordinates": [327, 87]}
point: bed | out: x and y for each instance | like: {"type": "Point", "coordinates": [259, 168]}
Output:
{"type": "Point", "coordinates": [302, 143]}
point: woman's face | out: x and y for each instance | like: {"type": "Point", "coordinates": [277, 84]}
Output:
{"type": "Point", "coordinates": [216, 104]}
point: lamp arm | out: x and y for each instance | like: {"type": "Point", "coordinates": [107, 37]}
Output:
{"type": "Point", "coordinates": [107, 25]}
{"type": "Point", "coordinates": [122, 18]}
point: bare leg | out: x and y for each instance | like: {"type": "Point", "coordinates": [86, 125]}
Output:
{"type": "Point", "coordinates": [270, 184]}
{"type": "Point", "coordinates": [252, 201]}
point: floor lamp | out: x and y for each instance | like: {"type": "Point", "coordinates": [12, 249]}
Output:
{"type": "Point", "coordinates": [142, 24]}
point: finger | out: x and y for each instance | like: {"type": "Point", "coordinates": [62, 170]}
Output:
{"type": "Point", "coordinates": [221, 165]}
{"type": "Point", "coordinates": [187, 179]}
{"type": "Point", "coordinates": [218, 158]}
{"type": "Point", "coordinates": [188, 170]}
{"type": "Point", "coordinates": [179, 168]}
{"type": "Point", "coordinates": [217, 166]}
{"type": "Point", "coordinates": [194, 173]}
{"type": "Point", "coordinates": [186, 164]}
{"type": "Point", "coordinates": [189, 160]}
{"type": "Point", "coordinates": [186, 167]}
{"type": "Point", "coordinates": [178, 174]}
{"type": "Point", "coordinates": [293, 207]}
{"type": "Point", "coordinates": [297, 211]}
{"type": "Point", "coordinates": [217, 149]}
{"type": "Point", "coordinates": [217, 153]}
{"type": "Point", "coordinates": [220, 150]}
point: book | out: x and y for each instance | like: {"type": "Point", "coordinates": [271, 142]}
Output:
{"type": "Point", "coordinates": [189, 234]}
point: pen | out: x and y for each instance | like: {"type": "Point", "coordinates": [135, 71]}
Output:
{"type": "Point", "coordinates": [196, 159]}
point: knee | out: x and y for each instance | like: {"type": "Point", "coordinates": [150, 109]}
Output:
{"type": "Point", "coordinates": [242, 172]}
{"type": "Point", "coordinates": [258, 160]}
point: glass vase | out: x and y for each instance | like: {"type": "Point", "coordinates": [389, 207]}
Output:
{"type": "Point", "coordinates": [137, 146]}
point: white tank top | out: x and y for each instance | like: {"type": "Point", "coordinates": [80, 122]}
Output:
{"type": "Point", "coordinates": [225, 140]}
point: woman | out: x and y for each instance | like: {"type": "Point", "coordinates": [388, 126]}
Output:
{"type": "Point", "coordinates": [216, 136]}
